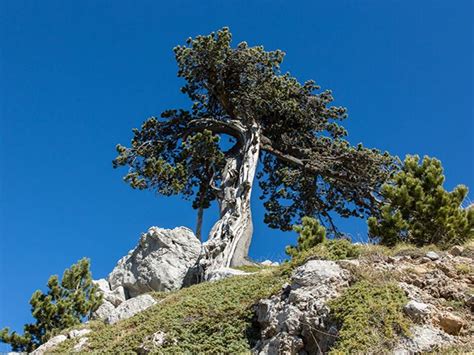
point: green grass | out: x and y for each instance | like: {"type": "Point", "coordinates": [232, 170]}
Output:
{"type": "Point", "coordinates": [212, 317]}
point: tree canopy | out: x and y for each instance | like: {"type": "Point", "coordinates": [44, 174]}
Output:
{"type": "Point", "coordinates": [418, 210]}
{"type": "Point", "coordinates": [308, 168]}
{"type": "Point", "coordinates": [64, 305]}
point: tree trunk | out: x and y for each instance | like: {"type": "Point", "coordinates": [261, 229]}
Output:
{"type": "Point", "coordinates": [199, 223]}
{"type": "Point", "coordinates": [229, 240]}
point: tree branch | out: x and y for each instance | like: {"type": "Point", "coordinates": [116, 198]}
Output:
{"type": "Point", "coordinates": [231, 127]}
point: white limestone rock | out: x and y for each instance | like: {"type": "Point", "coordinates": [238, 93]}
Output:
{"type": "Point", "coordinates": [423, 338]}
{"type": "Point", "coordinates": [296, 321]}
{"type": "Point", "coordinates": [130, 307]}
{"type": "Point", "coordinates": [417, 311]}
{"type": "Point", "coordinates": [49, 345]}
{"type": "Point", "coordinates": [76, 333]}
{"type": "Point", "coordinates": [224, 273]}
{"type": "Point", "coordinates": [103, 312]}
{"type": "Point", "coordinates": [160, 262]}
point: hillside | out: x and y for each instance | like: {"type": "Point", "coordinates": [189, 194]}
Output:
{"type": "Point", "coordinates": [334, 298]}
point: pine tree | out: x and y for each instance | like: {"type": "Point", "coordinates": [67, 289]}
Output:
{"type": "Point", "coordinates": [311, 233]}
{"type": "Point", "coordinates": [64, 305]}
{"type": "Point", "coordinates": [290, 128]}
{"type": "Point", "coordinates": [418, 210]}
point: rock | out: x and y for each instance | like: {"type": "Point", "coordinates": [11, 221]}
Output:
{"type": "Point", "coordinates": [316, 272]}
{"type": "Point", "coordinates": [470, 302]}
{"type": "Point", "coordinates": [103, 285]}
{"type": "Point", "coordinates": [417, 311]}
{"type": "Point", "coordinates": [80, 344]}
{"type": "Point", "coordinates": [130, 307]}
{"type": "Point", "coordinates": [432, 255]}
{"type": "Point", "coordinates": [116, 296]}
{"type": "Point", "coordinates": [75, 333]}
{"type": "Point", "coordinates": [105, 309]}
{"type": "Point", "coordinates": [456, 250]}
{"type": "Point", "coordinates": [423, 338]}
{"type": "Point", "coordinates": [296, 321]}
{"type": "Point", "coordinates": [154, 341]}
{"type": "Point", "coordinates": [269, 263]}
{"type": "Point", "coordinates": [160, 262]}
{"type": "Point", "coordinates": [224, 273]}
{"type": "Point", "coordinates": [451, 323]}
{"type": "Point", "coordinates": [49, 345]}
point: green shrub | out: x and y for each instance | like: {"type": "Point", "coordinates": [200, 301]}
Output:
{"type": "Point", "coordinates": [370, 316]}
{"type": "Point", "coordinates": [418, 210]}
{"type": "Point", "coordinates": [311, 233]}
{"type": "Point", "coordinates": [63, 306]}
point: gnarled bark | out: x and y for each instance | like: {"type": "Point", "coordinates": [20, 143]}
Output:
{"type": "Point", "coordinates": [230, 237]}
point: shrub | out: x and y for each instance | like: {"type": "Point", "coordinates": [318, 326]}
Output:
{"type": "Point", "coordinates": [310, 232]}
{"type": "Point", "coordinates": [418, 210]}
{"type": "Point", "coordinates": [63, 306]}
{"type": "Point", "coordinates": [370, 316]}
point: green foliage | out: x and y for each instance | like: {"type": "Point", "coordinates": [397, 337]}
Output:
{"type": "Point", "coordinates": [308, 166]}
{"type": "Point", "coordinates": [311, 233]}
{"type": "Point", "coordinates": [64, 305]}
{"type": "Point", "coordinates": [370, 316]}
{"type": "Point", "coordinates": [211, 317]}
{"type": "Point", "coordinates": [313, 244]}
{"type": "Point", "coordinates": [418, 210]}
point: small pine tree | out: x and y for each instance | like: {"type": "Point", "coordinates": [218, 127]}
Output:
{"type": "Point", "coordinates": [311, 233]}
{"type": "Point", "coordinates": [418, 210]}
{"type": "Point", "coordinates": [64, 305]}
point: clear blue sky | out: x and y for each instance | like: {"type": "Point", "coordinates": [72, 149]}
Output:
{"type": "Point", "coordinates": [76, 76]}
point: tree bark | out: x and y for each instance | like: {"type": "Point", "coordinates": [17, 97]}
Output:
{"type": "Point", "coordinates": [229, 240]}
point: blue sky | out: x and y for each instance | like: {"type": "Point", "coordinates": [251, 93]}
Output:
{"type": "Point", "coordinates": [75, 77]}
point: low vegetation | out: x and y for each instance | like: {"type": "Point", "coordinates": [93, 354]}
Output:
{"type": "Point", "coordinates": [209, 317]}
{"type": "Point", "coordinates": [370, 316]}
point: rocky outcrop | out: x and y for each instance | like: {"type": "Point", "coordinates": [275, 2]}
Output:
{"type": "Point", "coordinates": [50, 344]}
{"type": "Point", "coordinates": [58, 339]}
{"type": "Point", "coordinates": [160, 262]}
{"type": "Point", "coordinates": [130, 307]}
{"type": "Point", "coordinates": [223, 273]}
{"type": "Point", "coordinates": [297, 319]}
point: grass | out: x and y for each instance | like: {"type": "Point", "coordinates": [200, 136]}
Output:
{"type": "Point", "coordinates": [464, 269]}
{"type": "Point", "coordinates": [212, 317]}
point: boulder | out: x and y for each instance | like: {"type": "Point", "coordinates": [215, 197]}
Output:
{"type": "Point", "coordinates": [49, 345]}
{"type": "Point", "coordinates": [105, 309]}
{"type": "Point", "coordinates": [160, 262]}
{"type": "Point", "coordinates": [130, 307]}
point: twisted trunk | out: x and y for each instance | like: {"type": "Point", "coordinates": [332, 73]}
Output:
{"type": "Point", "coordinates": [230, 237]}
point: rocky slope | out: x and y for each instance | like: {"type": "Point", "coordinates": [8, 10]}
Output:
{"type": "Point", "coordinates": [404, 300]}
